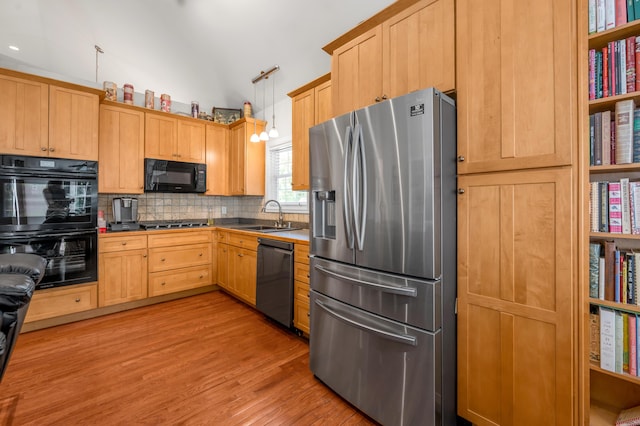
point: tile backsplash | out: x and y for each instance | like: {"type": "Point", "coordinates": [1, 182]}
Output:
{"type": "Point", "coordinates": [161, 206]}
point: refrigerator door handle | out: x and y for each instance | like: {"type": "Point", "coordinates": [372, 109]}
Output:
{"type": "Point", "coordinates": [363, 177]}
{"type": "Point", "coordinates": [355, 185]}
{"type": "Point", "coordinates": [400, 338]}
{"type": "Point", "coordinates": [347, 210]}
{"type": "Point", "coordinates": [385, 288]}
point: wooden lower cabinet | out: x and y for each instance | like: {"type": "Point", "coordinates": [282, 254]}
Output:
{"type": "Point", "coordinates": [238, 264]}
{"type": "Point", "coordinates": [517, 349]}
{"type": "Point", "coordinates": [301, 288]}
{"type": "Point", "coordinates": [55, 302]}
{"type": "Point", "coordinates": [179, 261]}
{"type": "Point", "coordinates": [122, 269]}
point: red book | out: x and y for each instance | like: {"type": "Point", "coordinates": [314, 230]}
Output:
{"type": "Point", "coordinates": [631, 64]}
{"type": "Point", "coordinates": [621, 12]}
{"type": "Point", "coordinates": [633, 362]}
{"type": "Point", "coordinates": [605, 73]}
{"type": "Point", "coordinates": [638, 62]}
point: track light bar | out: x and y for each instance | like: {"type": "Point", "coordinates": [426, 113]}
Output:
{"type": "Point", "coordinates": [265, 74]}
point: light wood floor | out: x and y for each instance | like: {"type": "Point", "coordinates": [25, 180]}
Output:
{"type": "Point", "coordinates": [206, 359]}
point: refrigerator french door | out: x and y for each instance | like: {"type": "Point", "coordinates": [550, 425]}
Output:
{"type": "Point", "coordinates": [383, 232]}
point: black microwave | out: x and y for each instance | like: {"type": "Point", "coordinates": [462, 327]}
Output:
{"type": "Point", "coordinates": [174, 176]}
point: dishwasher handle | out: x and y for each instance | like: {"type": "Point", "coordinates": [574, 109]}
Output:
{"type": "Point", "coordinates": [275, 243]}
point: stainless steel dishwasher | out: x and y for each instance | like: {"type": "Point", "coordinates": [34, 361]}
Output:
{"type": "Point", "coordinates": [274, 281]}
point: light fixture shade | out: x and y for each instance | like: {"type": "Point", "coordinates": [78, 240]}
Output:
{"type": "Point", "coordinates": [254, 138]}
{"type": "Point", "coordinates": [273, 133]}
{"type": "Point", "coordinates": [264, 136]}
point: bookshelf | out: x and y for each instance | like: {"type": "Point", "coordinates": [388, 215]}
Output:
{"type": "Point", "coordinates": [610, 392]}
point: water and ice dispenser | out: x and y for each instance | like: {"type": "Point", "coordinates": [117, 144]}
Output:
{"type": "Point", "coordinates": [324, 214]}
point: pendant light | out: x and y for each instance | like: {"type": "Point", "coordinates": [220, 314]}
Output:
{"type": "Point", "coordinates": [273, 133]}
{"type": "Point", "coordinates": [264, 136]}
{"type": "Point", "coordinates": [254, 137]}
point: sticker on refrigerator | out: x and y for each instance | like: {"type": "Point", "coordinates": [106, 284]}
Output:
{"type": "Point", "coordinates": [416, 110]}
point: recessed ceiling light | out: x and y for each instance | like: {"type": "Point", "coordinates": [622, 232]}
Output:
{"type": "Point", "coordinates": [16, 48]}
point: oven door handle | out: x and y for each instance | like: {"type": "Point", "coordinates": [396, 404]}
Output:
{"type": "Point", "coordinates": [41, 235]}
{"type": "Point", "coordinates": [400, 338]}
{"type": "Point", "coordinates": [403, 291]}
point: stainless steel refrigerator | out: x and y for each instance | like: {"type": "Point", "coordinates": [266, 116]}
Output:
{"type": "Point", "coordinates": [383, 258]}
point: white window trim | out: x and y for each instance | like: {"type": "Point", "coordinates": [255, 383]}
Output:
{"type": "Point", "coordinates": [287, 207]}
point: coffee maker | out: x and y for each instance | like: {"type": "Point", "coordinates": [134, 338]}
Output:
{"type": "Point", "coordinates": [125, 214]}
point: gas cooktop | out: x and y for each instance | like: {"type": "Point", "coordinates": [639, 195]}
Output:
{"type": "Point", "coordinates": [170, 224]}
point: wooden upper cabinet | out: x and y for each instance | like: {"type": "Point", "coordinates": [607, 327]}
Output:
{"type": "Point", "coordinates": [246, 158]}
{"type": "Point", "coordinates": [517, 351]}
{"type": "Point", "coordinates": [516, 84]}
{"type": "Point", "coordinates": [418, 46]}
{"type": "Point", "coordinates": [73, 123]}
{"type": "Point", "coordinates": [356, 72]}
{"type": "Point", "coordinates": [121, 150]}
{"type": "Point", "coordinates": [191, 141]}
{"type": "Point", "coordinates": [217, 159]}
{"type": "Point", "coordinates": [160, 137]}
{"type": "Point", "coordinates": [24, 116]}
{"type": "Point", "coordinates": [409, 48]}
{"type": "Point", "coordinates": [310, 105]}
{"type": "Point", "coordinates": [303, 118]}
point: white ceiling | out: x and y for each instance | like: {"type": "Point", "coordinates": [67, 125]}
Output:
{"type": "Point", "coordinates": [202, 50]}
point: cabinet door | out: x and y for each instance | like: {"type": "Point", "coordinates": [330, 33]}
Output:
{"type": "Point", "coordinates": [419, 48]}
{"type": "Point", "coordinates": [517, 357]}
{"type": "Point", "coordinates": [223, 268]}
{"type": "Point", "coordinates": [322, 94]}
{"type": "Point", "coordinates": [516, 84]}
{"type": "Point", "coordinates": [236, 160]}
{"type": "Point", "coordinates": [356, 72]}
{"type": "Point", "coordinates": [123, 277]}
{"type": "Point", "coordinates": [121, 150]}
{"type": "Point", "coordinates": [73, 124]}
{"type": "Point", "coordinates": [217, 160]}
{"type": "Point", "coordinates": [254, 167]}
{"type": "Point", "coordinates": [160, 137]}
{"type": "Point", "coordinates": [303, 115]}
{"type": "Point", "coordinates": [24, 116]}
{"type": "Point", "coordinates": [245, 269]}
{"type": "Point", "coordinates": [191, 141]}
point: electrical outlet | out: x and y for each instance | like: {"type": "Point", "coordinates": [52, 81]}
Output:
{"type": "Point", "coordinates": [223, 209]}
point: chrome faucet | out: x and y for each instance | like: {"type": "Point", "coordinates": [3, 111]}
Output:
{"type": "Point", "coordinates": [280, 223]}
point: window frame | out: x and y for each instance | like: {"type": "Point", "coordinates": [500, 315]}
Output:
{"type": "Point", "coordinates": [270, 193]}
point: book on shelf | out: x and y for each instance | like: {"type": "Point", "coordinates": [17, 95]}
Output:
{"type": "Point", "coordinates": [630, 280]}
{"type": "Point", "coordinates": [594, 331]}
{"type": "Point", "coordinates": [594, 203]}
{"type": "Point", "coordinates": [624, 131]}
{"type": "Point", "coordinates": [631, 64]}
{"type": "Point", "coordinates": [606, 88]}
{"type": "Point", "coordinates": [636, 9]}
{"type": "Point", "coordinates": [609, 270]}
{"type": "Point", "coordinates": [636, 135]}
{"type": "Point", "coordinates": [621, 12]}
{"type": "Point", "coordinates": [594, 264]}
{"type": "Point", "coordinates": [597, 144]}
{"type": "Point", "coordinates": [606, 137]}
{"type": "Point", "coordinates": [600, 16]}
{"type": "Point", "coordinates": [604, 206]}
{"type": "Point", "coordinates": [626, 342]}
{"type": "Point", "coordinates": [629, 417]}
{"type": "Point", "coordinates": [637, 59]}
{"type": "Point", "coordinates": [630, 11]}
{"type": "Point", "coordinates": [634, 203]}
{"type": "Point", "coordinates": [625, 201]}
{"type": "Point", "coordinates": [622, 70]}
{"type": "Point", "coordinates": [609, 14]}
{"type": "Point", "coordinates": [601, 277]}
{"type": "Point", "coordinates": [607, 339]}
{"type": "Point", "coordinates": [615, 208]}
{"type": "Point", "coordinates": [633, 345]}
{"type": "Point", "coordinates": [592, 16]}
{"type": "Point", "coordinates": [617, 294]}
{"type": "Point", "coordinates": [618, 341]}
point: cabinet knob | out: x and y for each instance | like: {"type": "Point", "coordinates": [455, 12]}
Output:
{"type": "Point", "coordinates": [162, 260]}
{"type": "Point", "coordinates": [124, 243]}
{"type": "Point", "coordinates": [240, 255]}
{"type": "Point", "coordinates": [460, 158]}
{"type": "Point", "coordinates": [201, 276]}
{"type": "Point", "coordinates": [52, 149]}
{"type": "Point", "coordinates": [77, 300]}
{"type": "Point", "coordinates": [200, 255]}
{"type": "Point", "coordinates": [43, 149]}
{"type": "Point", "coordinates": [144, 255]}
{"type": "Point", "coordinates": [308, 276]}
{"type": "Point", "coordinates": [162, 283]}
{"type": "Point", "coordinates": [308, 314]}
{"type": "Point", "coordinates": [460, 190]}
{"type": "Point", "coordinates": [377, 99]}
{"type": "Point", "coordinates": [384, 97]}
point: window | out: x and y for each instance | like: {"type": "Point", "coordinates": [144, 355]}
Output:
{"type": "Point", "coordinates": [278, 170]}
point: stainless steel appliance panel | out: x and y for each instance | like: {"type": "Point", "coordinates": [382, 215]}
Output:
{"type": "Point", "coordinates": [331, 230]}
{"type": "Point", "coordinates": [408, 300]}
{"type": "Point", "coordinates": [397, 185]}
{"type": "Point", "coordinates": [377, 354]}
{"type": "Point", "coordinates": [274, 281]}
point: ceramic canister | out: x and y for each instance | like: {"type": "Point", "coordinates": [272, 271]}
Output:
{"type": "Point", "coordinates": [149, 100]}
{"type": "Point", "coordinates": [165, 102]}
{"type": "Point", "coordinates": [128, 94]}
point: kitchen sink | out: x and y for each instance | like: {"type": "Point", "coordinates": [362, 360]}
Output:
{"type": "Point", "coordinates": [262, 228]}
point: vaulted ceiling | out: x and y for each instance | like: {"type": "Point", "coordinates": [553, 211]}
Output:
{"type": "Point", "coordinates": [202, 50]}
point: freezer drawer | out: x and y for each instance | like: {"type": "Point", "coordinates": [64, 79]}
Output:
{"type": "Point", "coordinates": [408, 300]}
{"type": "Point", "coordinates": [390, 371]}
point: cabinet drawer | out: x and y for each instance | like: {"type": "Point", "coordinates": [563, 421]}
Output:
{"type": "Point", "coordinates": [125, 242]}
{"type": "Point", "coordinates": [301, 272]}
{"type": "Point", "coordinates": [243, 240]}
{"type": "Point", "coordinates": [222, 236]}
{"type": "Point", "coordinates": [179, 238]}
{"type": "Point", "coordinates": [165, 258]}
{"type": "Point", "coordinates": [179, 280]}
{"type": "Point", "coordinates": [301, 253]}
{"type": "Point", "coordinates": [301, 314]}
{"type": "Point", "coordinates": [62, 301]}
{"type": "Point", "coordinates": [301, 290]}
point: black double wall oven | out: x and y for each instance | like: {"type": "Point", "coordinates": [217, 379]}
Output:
{"type": "Point", "coordinates": [49, 208]}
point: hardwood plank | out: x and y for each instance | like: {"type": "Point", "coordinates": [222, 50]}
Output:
{"type": "Point", "coordinates": [205, 359]}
